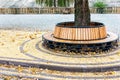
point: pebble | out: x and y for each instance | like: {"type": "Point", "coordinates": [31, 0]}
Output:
{"type": "Point", "coordinates": [110, 73]}
{"type": "Point", "coordinates": [32, 36]}
{"type": "Point", "coordinates": [1, 43]}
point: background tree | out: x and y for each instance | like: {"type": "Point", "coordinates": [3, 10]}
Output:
{"type": "Point", "coordinates": [54, 3]}
{"type": "Point", "coordinates": [82, 12]}
{"type": "Point", "coordinates": [100, 6]}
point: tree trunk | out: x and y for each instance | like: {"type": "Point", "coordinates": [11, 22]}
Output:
{"type": "Point", "coordinates": [82, 13]}
{"type": "Point", "coordinates": [55, 3]}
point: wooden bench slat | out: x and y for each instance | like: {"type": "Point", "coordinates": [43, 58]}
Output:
{"type": "Point", "coordinates": [80, 33]}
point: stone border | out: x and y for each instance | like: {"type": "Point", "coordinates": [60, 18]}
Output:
{"type": "Point", "coordinates": [71, 69]}
{"type": "Point", "coordinates": [59, 54]}
{"type": "Point", "coordinates": [50, 76]}
{"type": "Point", "coordinates": [112, 37]}
{"type": "Point", "coordinates": [44, 60]}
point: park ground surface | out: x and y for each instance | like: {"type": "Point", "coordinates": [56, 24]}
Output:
{"type": "Point", "coordinates": [12, 49]}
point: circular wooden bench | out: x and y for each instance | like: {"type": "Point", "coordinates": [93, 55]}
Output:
{"type": "Point", "coordinates": [68, 31]}
{"type": "Point", "coordinates": [80, 39]}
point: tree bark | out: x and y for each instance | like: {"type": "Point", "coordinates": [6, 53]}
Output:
{"type": "Point", "coordinates": [82, 13]}
{"type": "Point", "coordinates": [55, 3]}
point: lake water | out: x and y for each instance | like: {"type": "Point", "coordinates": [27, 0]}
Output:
{"type": "Point", "coordinates": [48, 21]}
